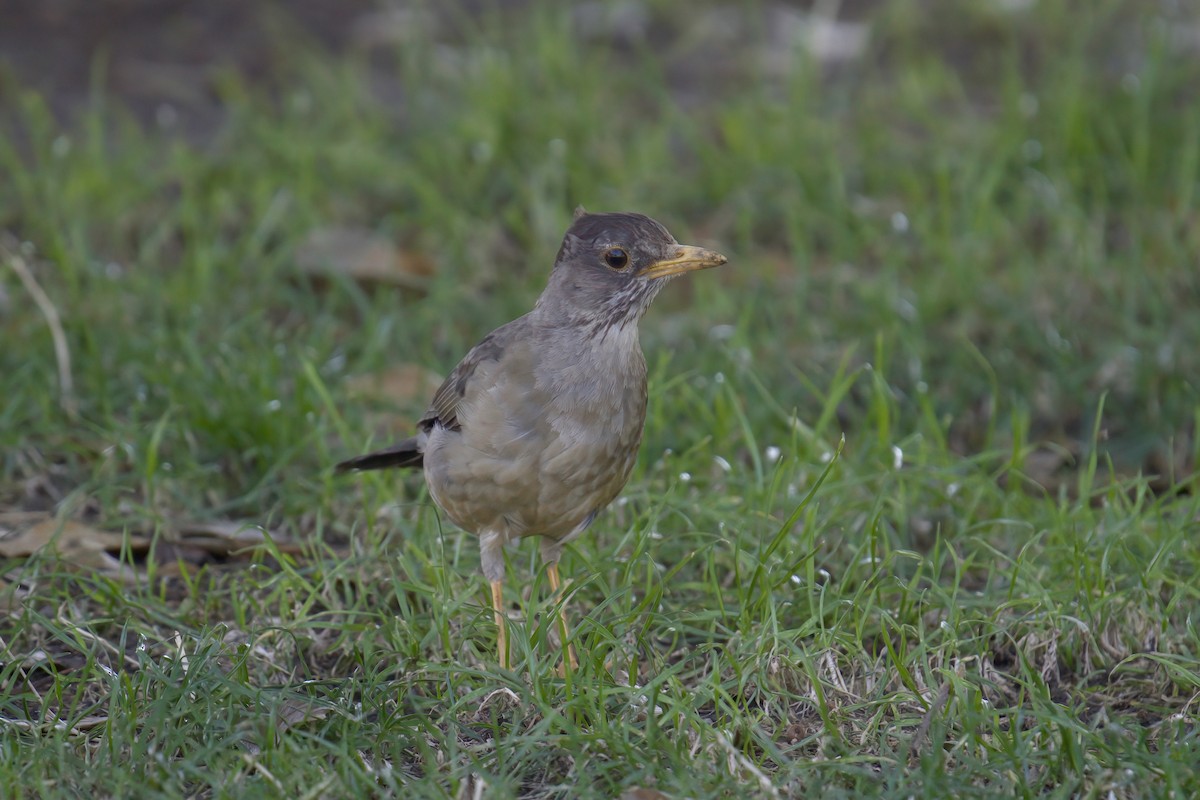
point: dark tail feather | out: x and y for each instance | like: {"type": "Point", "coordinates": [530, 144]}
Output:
{"type": "Point", "coordinates": [404, 454]}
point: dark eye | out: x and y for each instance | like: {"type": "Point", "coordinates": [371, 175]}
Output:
{"type": "Point", "coordinates": [616, 258]}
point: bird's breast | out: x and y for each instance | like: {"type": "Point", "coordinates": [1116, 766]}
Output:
{"type": "Point", "coordinates": [546, 444]}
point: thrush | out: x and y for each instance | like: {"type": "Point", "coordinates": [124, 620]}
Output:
{"type": "Point", "coordinates": [537, 429]}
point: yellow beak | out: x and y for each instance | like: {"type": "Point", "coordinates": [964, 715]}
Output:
{"type": "Point", "coordinates": [687, 259]}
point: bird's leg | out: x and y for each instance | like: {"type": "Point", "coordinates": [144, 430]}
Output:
{"type": "Point", "coordinates": [564, 630]}
{"type": "Point", "coordinates": [491, 553]}
{"type": "Point", "coordinates": [501, 622]}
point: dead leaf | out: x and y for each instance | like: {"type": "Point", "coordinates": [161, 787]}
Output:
{"type": "Point", "coordinates": [625, 23]}
{"type": "Point", "coordinates": [397, 395]}
{"type": "Point", "coordinates": [68, 536]}
{"type": "Point", "coordinates": [226, 538]}
{"type": "Point", "coordinates": [830, 40]}
{"type": "Point", "coordinates": [401, 384]}
{"type": "Point", "coordinates": [1048, 467]}
{"type": "Point", "coordinates": [821, 38]}
{"type": "Point", "coordinates": [100, 562]}
{"type": "Point", "coordinates": [391, 27]}
{"type": "Point", "coordinates": [362, 255]}
{"type": "Point", "coordinates": [10, 520]}
{"type": "Point", "coordinates": [641, 793]}
{"type": "Point", "coordinates": [294, 712]}
{"type": "Point", "coordinates": [77, 544]}
{"type": "Point", "coordinates": [90, 722]}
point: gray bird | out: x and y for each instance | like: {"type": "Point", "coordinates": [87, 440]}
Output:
{"type": "Point", "coordinates": [538, 427]}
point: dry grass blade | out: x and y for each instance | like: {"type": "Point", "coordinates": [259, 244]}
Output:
{"type": "Point", "coordinates": [62, 353]}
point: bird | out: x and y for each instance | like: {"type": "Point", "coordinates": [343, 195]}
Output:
{"type": "Point", "coordinates": [538, 427]}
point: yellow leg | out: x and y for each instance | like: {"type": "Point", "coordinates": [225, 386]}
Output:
{"type": "Point", "coordinates": [564, 631]}
{"type": "Point", "coordinates": [501, 622]}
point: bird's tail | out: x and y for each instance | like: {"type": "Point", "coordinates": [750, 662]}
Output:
{"type": "Point", "coordinates": [405, 454]}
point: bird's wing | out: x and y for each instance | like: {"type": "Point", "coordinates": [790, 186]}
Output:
{"type": "Point", "coordinates": [448, 399]}
{"type": "Point", "coordinates": [444, 409]}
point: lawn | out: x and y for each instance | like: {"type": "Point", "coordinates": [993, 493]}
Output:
{"type": "Point", "coordinates": [916, 512]}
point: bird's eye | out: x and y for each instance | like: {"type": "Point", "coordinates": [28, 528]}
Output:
{"type": "Point", "coordinates": [616, 258]}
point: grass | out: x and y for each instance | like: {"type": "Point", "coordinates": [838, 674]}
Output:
{"type": "Point", "coordinates": [916, 509]}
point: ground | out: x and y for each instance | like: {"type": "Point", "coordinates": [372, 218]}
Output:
{"type": "Point", "coordinates": [915, 514]}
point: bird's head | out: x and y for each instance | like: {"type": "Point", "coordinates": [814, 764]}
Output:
{"type": "Point", "coordinates": [611, 266]}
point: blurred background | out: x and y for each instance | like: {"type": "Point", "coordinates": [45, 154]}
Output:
{"type": "Point", "coordinates": [991, 200]}
{"type": "Point", "coordinates": [241, 241]}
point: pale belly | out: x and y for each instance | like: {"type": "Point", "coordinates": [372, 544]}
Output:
{"type": "Point", "coordinates": [541, 476]}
